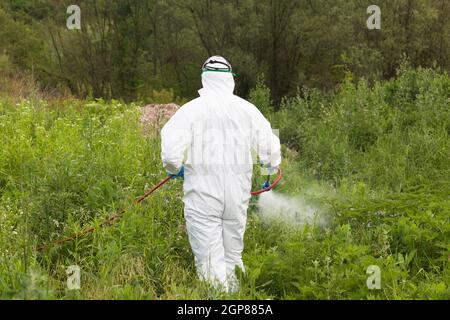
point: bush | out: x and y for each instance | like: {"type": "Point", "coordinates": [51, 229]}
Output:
{"type": "Point", "coordinates": [402, 125]}
{"type": "Point", "coordinates": [374, 161]}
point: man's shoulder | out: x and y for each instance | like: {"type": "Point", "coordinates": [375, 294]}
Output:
{"type": "Point", "coordinates": [249, 107]}
{"type": "Point", "coordinates": [192, 103]}
{"type": "Point", "coordinates": [244, 102]}
{"type": "Point", "coordinates": [186, 108]}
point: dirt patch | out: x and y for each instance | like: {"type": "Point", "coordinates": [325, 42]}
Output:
{"type": "Point", "coordinates": [156, 115]}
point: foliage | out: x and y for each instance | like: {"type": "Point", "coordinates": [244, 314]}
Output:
{"type": "Point", "coordinates": [375, 160]}
{"type": "Point", "coordinates": [355, 135]}
{"type": "Point", "coordinates": [127, 49]}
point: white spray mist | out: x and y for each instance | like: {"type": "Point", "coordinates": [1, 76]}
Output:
{"type": "Point", "coordinates": [293, 210]}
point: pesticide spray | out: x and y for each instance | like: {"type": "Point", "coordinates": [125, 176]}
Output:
{"type": "Point", "coordinates": [295, 210]}
{"type": "Point", "coordinates": [292, 210]}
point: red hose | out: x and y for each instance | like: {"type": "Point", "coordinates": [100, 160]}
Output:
{"type": "Point", "coordinates": [273, 185]}
{"type": "Point", "coordinates": [115, 217]}
{"type": "Point", "coordinates": [253, 193]}
{"type": "Point", "coordinates": [149, 192]}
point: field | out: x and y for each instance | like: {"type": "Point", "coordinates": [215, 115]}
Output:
{"type": "Point", "coordinates": [373, 159]}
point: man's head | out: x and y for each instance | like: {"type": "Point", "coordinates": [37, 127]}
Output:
{"type": "Point", "coordinates": [217, 76]}
{"type": "Point", "coordinates": [217, 64]}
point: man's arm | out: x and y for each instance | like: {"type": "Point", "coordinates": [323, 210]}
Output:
{"type": "Point", "coordinates": [266, 143]}
{"type": "Point", "coordinates": [175, 139]}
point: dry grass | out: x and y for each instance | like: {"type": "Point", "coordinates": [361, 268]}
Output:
{"type": "Point", "coordinates": [21, 86]}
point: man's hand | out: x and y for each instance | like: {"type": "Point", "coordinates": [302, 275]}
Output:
{"type": "Point", "coordinates": [180, 174]}
{"type": "Point", "coordinates": [266, 185]}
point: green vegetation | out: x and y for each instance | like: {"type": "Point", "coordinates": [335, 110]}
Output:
{"type": "Point", "coordinates": [374, 159]}
{"type": "Point", "coordinates": [127, 49]}
{"type": "Point", "coordinates": [385, 150]}
{"type": "Point", "coordinates": [364, 118]}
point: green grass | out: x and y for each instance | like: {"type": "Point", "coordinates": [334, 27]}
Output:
{"type": "Point", "coordinates": [382, 183]}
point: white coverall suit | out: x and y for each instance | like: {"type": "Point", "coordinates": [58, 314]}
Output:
{"type": "Point", "coordinates": [214, 136]}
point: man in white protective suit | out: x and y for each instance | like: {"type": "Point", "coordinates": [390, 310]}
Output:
{"type": "Point", "coordinates": [217, 136]}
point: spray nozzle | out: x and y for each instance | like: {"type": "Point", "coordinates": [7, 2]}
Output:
{"type": "Point", "coordinates": [266, 185]}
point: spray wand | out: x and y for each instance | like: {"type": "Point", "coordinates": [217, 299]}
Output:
{"type": "Point", "coordinates": [115, 217]}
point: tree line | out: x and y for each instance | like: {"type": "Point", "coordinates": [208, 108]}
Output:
{"type": "Point", "coordinates": [126, 49]}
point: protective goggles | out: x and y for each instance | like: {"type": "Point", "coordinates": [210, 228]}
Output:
{"type": "Point", "coordinates": [226, 67]}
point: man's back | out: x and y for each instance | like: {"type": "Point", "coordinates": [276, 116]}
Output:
{"type": "Point", "coordinates": [218, 130]}
{"type": "Point", "coordinates": [213, 136]}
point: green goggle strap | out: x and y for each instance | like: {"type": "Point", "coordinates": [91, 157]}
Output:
{"type": "Point", "coordinates": [225, 71]}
